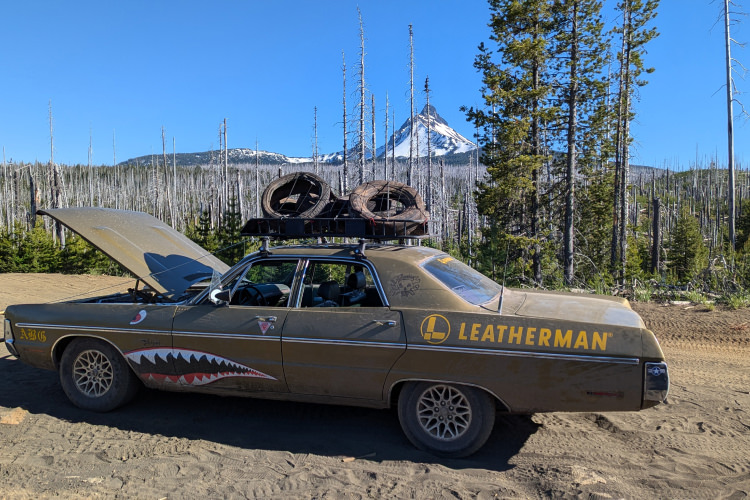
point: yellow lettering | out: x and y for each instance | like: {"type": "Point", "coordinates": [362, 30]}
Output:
{"type": "Point", "coordinates": [489, 334]}
{"type": "Point", "coordinates": [475, 331]}
{"type": "Point", "coordinates": [461, 334]}
{"type": "Point", "coordinates": [599, 341]}
{"type": "Point", "coordinates": [563, 340]}
{"type": "Point", "coordinates": [501, 332]}
{"type": "Point", "coordinates": [582, 340]}
{"type": "Point", "coordinates": [544, 336]}
{"type": "Point", "coordinates": [515, 335]}
{"type": "Point", "coordinates": [530, 336]}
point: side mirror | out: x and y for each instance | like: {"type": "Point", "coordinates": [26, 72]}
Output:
{"type": "Point", "coordinates": [219, 297]}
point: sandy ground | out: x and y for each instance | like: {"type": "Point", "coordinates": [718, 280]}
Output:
{"type": "Point", "coordinates": [187, 446]}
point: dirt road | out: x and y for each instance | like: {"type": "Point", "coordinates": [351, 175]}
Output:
{"type": "Point", "coordinates": [193, 446]}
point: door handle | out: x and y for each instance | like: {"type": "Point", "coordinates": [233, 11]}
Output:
{"type": "Point", "coordinates": [380, 322]}
{"type": "Point", "coordinates": [270, 319]}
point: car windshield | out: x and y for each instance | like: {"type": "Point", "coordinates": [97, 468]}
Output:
{"type": "Point", "coordinates": [467, 283]}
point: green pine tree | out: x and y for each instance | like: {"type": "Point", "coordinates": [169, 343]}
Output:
{"type": "Point", "coordinates": [517, 90]}
{"type": "Point", "coordinates": [230, 242]}
{"type": "Point", "coordinates": [687, 254]}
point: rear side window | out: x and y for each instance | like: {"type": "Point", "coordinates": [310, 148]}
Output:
{"type": "Point", "coordinates": [469, 284]}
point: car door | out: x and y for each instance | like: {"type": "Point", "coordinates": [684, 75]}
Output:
{"type": "Point", "coordinates": [340, 351]}
{"type": "Point", "coordinates": [235, 345]}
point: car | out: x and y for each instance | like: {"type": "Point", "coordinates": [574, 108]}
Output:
{"type": "Point", "coordinates": [367, 323]}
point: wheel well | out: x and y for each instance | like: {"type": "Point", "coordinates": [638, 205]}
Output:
{"type": "Point", "coordinates": [64, 342]}
{"type": "Point", "coordinates": [60, 347]}
{"type": "Point", "coordinates": [399, 386]}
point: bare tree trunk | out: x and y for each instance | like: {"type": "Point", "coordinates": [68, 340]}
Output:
{"type": "Point", "coordinates": [656, 239]}
{"type": "Point", "coordinates": [625, 143]}
{"type": "Point", "coordinates": [345, 180]}
{"type": "Point", "coordinates": [428, 191]}
{"type": "Point", "coordinates": [91, 173]}
{"type": "Point", "coordinates": [226, 166]}
{"type": "Point", "coordinates": [362, 142]}
{"type": "Point", "coordinates": [257, 181]}
{"type": "Point", "coordinates": [315, 141]}
{"type": "Point", "coordinates": [374, 150]}
{"type": "Point", "coordinates": [570, 181]}
{"type": "Point", "coordinates": [730, 128]}
{"type": "Point", "coordinates": [56, 181]}
{"type": "Point", "coordinates": [385, 137]}
{"type": "Point", "coordinates": [31, 219]}
{"type": "Point", "coordinates": [410, 171]}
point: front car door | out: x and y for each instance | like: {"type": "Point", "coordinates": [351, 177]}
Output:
{"type": "Point", "coordinates": [235, 345]}
{"type": "Point", "coordinates": [341, 339]}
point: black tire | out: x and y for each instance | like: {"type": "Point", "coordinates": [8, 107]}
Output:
{"type": "Point", "coordinates": [387, 200]}
{"type": "Point", "coordinates": [446, 420]}
{"type": "Point", "coordinates": [301, 194]}
{"type": "Point", "coordinates": [95, 376]}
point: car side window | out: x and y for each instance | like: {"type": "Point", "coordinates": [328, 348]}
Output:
{"type": "Point", "coordinates": [265, 283]}
{"type": "Point", "coordinates": [339, 284]}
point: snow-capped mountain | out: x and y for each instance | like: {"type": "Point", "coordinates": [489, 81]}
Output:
{"type": "Point", "coordinates": [444, 141]}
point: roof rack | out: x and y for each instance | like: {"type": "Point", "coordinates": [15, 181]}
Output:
{"type": "Point", "coordinates": [300, 228]}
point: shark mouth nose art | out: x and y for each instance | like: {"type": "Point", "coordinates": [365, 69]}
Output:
{"type": "Point", "coordinates": [186, 366]}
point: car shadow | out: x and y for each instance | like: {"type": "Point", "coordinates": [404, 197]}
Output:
{"type": "Point", "coordinates": [248, 423]}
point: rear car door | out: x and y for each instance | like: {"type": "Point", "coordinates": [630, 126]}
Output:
{"type": "Point", "coordinates": [341, 344]}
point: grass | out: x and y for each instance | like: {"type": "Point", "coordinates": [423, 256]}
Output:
{"type": "Point", "coordinates": [738, 300]}
{"type": "Point", "coordinates": [642, 293]}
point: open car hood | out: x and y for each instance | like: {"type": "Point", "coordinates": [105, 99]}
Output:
{"type": "Point", "coordinates": [165, 259]}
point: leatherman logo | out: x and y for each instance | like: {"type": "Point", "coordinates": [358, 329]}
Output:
{"type": "Point", "coordinates": [534, 336]}
{"type": "Point", "coordinates": [435, 329]}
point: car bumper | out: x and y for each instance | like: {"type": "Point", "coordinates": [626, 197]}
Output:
{"type": "Point", "coordinates": [8, 338]}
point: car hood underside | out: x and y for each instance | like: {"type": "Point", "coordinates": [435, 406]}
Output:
{"type": "Point", "coordinates": [162, 257]}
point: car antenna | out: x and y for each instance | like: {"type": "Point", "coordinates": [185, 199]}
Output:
{"type": "Point", "coordinates": [505, 270]}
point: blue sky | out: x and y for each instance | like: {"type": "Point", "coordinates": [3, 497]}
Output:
{"type": "Point", "coordinates": [128, 68]}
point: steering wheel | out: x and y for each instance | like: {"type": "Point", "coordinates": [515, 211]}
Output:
{"type": "Point", "coordinates": [250, 296]}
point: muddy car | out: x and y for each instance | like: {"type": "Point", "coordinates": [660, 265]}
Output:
{"type": "Point", "coordinates": [366, 324]}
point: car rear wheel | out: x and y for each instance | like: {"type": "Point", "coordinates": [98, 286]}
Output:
{"type": "Point", "coordinates": [445, 419]}
{"type": "Point", "coordinates": [95, 376]}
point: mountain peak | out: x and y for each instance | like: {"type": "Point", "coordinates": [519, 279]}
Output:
{"type": "Point", "coordinates": [429, 112]}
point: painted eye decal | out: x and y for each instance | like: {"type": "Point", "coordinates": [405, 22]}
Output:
{"type": "Point", "coordinates": [139, 317]}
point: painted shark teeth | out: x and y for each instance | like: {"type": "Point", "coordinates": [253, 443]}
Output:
{"type": "Point", "coordinates": [187, 366]}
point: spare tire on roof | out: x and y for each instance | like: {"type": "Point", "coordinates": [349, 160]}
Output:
{"type": "Point", "coordinates": [301, 194]}
{"type": "Point", "coordinates": [392, 200]}
{"type": "Point", "coordinates": [389, 204]}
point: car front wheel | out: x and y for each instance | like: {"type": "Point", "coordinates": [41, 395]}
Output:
{"type": "Point", "coordinates": [447, 420]}
{"type": "Point", "coordinates": [95, 376]}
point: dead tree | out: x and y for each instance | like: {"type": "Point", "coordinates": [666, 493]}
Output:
{"type": "Point", "coordinates": [361, 146]}
{"type": "Point", "coordinates": [345, 176]}
{"type": "Point", "coordinates": [410, 171]}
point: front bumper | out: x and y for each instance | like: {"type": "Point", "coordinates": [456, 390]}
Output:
{"type": "Point", "coordinates": [8, 338]}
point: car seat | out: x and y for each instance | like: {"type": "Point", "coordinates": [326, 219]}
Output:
{"type": "Point", "coordinates": [329, 292]}
{"type": "Point", "coordinates": [356, 283]}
